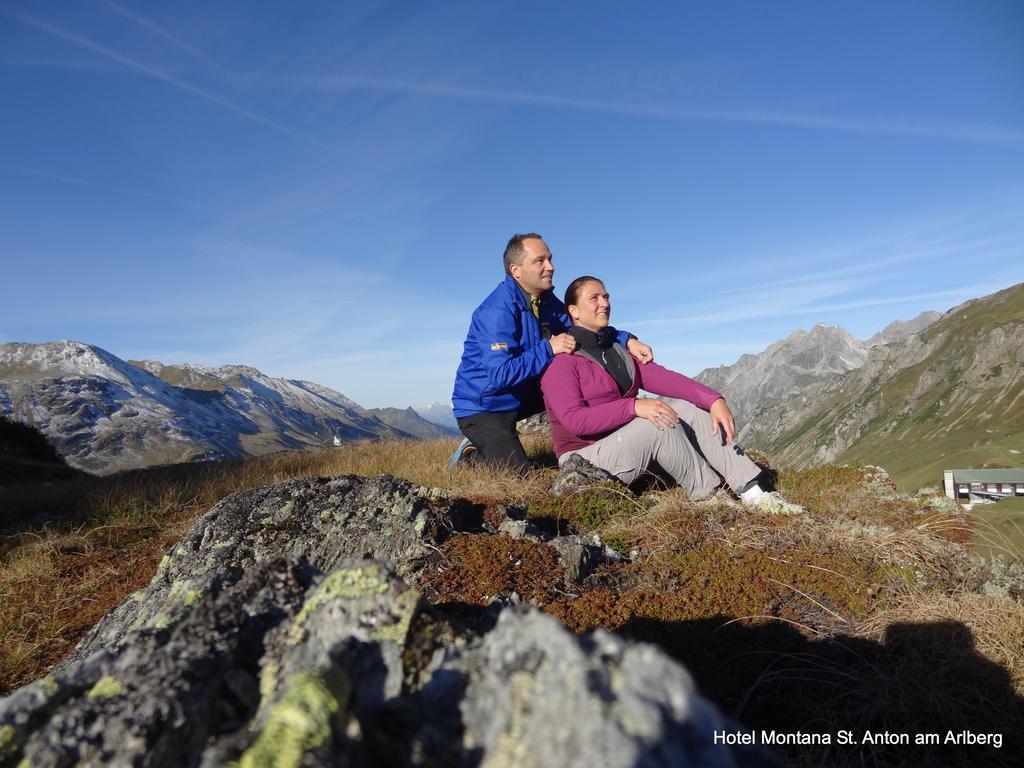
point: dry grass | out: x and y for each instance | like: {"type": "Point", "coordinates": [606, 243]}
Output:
{"type": "Point", "coordinates": [102, 538]}
{"type": "Point", "coordinates": [719, 586]}
{"type": "Point", "coordinates": [996, 623]}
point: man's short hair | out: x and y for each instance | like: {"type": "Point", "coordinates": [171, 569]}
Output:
{"type": "Point", "coordinates": [514, 249]}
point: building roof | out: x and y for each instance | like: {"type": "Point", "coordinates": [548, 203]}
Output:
{"type": "Point", "coordinates": [988, 475]}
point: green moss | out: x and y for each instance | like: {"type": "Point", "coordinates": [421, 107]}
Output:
{"type": "Point", "coordinates": [287, 509]}
{"type": "Point", "coordinates": [301, 721]}
{"type": "Point", "coordinates": [49, 685]}
{"type": "Point", "coordinates": [589, 511]}
{"type": "Point", "coordinates": [268, 679]}
{"type": "Point", "coordinates": [8, 742]}
{"type": "Point", "coordinates": [362, 581]}
{"type": "Point", "coordinates": [107, 687]}
{"type": "Point", "coordinates": [193, 597]}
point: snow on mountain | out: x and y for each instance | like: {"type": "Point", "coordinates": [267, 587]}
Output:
{"type": "Point", "coordinates": [105, 414]}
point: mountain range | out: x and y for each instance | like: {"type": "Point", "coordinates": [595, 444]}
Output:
{"type": "Point", "coordinates": [105, 414]}
{"type": "Point", "coordinates": [931, 394]}
{"type": "Point", "coordinates": [795, 366]}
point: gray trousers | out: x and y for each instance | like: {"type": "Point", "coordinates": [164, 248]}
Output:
{"type": "Point", "coordinates": [688, 452]}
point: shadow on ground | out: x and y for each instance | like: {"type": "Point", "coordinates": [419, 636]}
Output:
{"type": "Point", "coordinates": [921, 679]}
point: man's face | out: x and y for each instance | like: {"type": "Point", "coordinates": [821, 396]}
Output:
{"type": "Point", "coordinates": [535, 270]}
{"type": "Point", "coordinates": [593, 308]}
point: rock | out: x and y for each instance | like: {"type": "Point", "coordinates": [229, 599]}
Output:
{"type": "Point", "coordinates": [537, 424]}
{"type": "Point", "coordinates": [164, 693]}
{"type": "Point", "coordinates": [286, 666]}
{"type": "Point", "coordinates": [531, 694]}
{"type": "Point", "coordinates": [329, 674]}
{"type": "Point", "coordinates": [266, 638]}
{"type": "Point", "coordinates": [577, 557]}
{"type": "Point", "coordinates": [324, 520]}
{"type": "Point", "coordinates": [576, 475]}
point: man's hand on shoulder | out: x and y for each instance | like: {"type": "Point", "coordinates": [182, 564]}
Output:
{"type": "Point", "coordinates": [563, 343]}
{"type": "Point", "coordinates": [640, 351]}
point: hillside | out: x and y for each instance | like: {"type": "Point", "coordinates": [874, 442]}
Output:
{"type": "Point", "coordinates": [26, 456]}
{"type": "Point", "coordinates": [410, 421]}
{"type": "Point", "coordinates": [105, 414]}
{"type": "Point", "coordinates": [503, 630]}
{"type": "Point", "coordinates": [950, 396]}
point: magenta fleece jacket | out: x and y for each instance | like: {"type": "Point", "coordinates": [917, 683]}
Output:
{"type": "Point", "coordinates": [584, 403]}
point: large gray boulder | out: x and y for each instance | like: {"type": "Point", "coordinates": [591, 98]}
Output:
{"type": "Point", "coordinates": [287, 666]}
{"type": "Point", "coordinates": [323, 520]}
{"type": "Point", "coordinates": [282, 631]}
{"type": "Point", "coordinates": [532, 694]}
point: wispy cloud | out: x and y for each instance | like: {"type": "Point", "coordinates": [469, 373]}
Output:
{"type": "Point", "coordinates": [791, 305]}
{"type": "Point", "coordinates": [50, 175]}
{"type": "Point", "coordinates": [889, 126]}
{"type": "Point", "coordinates": [161, 75]}
{"type": "Point", "coordinates": [162, 32]}
{"type": "Point", "coordinates": [77, 181]}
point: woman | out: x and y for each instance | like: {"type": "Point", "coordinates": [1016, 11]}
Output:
{"type": "Point", "coordinates": [592, 403]}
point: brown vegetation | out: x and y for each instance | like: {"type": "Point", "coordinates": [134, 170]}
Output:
{"type": "Point", "coordinates": [853, 603]}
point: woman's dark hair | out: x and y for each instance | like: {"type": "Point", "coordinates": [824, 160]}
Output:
{"type": "Point", "coordinates": [575, 285]}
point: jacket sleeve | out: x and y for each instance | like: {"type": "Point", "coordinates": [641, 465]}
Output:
{"type": "Point", "coordinates": [502, 354]}
{"type": "Point", "coordinates": [661, 381]}
{"type": "Point", "coordinates": [563, 396]}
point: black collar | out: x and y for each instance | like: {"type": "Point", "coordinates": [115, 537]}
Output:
{"type": "Point", "coordinates": [588, 339]}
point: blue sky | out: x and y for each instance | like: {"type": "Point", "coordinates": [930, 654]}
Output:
{"type": "Point", "coordinates": [323, 190]}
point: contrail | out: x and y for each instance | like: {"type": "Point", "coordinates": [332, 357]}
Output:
{"type": "Point", "coordinates": [158, 74]}
{"type": "Point", "coordinates": [884, 126]}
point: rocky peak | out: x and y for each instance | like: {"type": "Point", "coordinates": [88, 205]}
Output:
{"type": "Point", "coordinates": [899, 330]}
{"type": "Point", "coordinates": [756, 382]}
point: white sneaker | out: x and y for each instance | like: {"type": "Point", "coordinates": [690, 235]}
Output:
{"type": "Point", "coordinates": [773, 503]}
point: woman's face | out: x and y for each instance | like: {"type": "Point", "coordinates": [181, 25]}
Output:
{"type": "Point", "coordinates": [592, 309]}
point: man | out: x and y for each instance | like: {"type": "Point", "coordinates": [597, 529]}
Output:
{"type": "Point", "coordinates": [513, 336]}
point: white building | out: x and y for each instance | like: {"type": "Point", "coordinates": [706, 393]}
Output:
{"type": "Point", "coordinates": [990, 484]}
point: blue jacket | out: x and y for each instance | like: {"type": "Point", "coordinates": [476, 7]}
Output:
{"type": "Point", "coordinates": [506, 351]}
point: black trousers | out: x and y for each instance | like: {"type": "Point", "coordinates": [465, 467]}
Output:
{"type": "Point", "coordinates": [495, 437]}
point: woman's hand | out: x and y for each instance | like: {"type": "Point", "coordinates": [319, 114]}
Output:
{"type": "Point", "coordinates": [658, 412]}
{"type": "Point", "coordinates": [721, 417]}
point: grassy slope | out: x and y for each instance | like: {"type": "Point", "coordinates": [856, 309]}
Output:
{"type": "Point", "coordinates": [868, 595]}
{"type": "Point", "coordinates": [1000, 527]}
{"type": "Point", "coordinates": [968, 418]}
